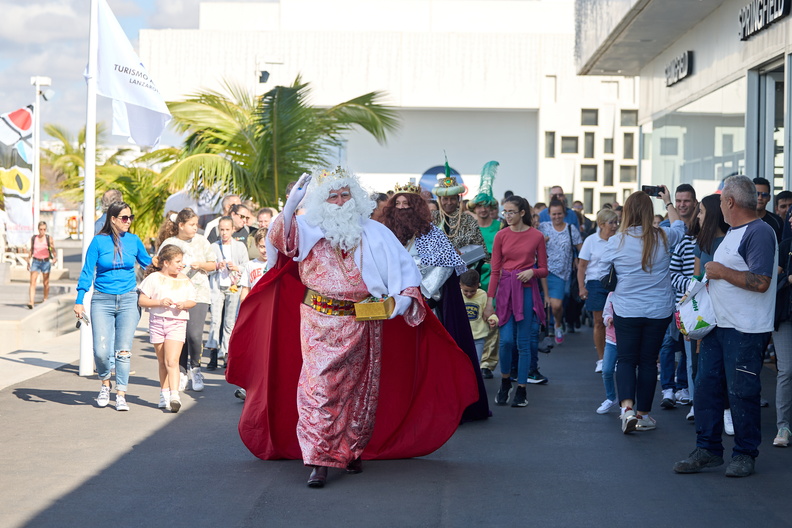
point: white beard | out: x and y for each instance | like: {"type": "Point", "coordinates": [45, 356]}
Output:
{"type": "Point", "coordinates": [341, 225]}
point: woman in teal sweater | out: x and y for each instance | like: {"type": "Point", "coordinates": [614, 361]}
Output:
{"type": "Point", "coordinates": [110, 267]}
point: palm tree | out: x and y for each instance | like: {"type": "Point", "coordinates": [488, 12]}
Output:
{"type": "Point", "coordinates": [254, 145]}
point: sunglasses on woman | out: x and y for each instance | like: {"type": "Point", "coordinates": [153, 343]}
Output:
{"type": "Point", "coordinates": [126, 218]}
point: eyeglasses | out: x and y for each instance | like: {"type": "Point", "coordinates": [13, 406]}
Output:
{"type": "Point", "coordinates": [126, 218]}
{"type": "Point", "coordinates": [765, 195]}
{"type": "Point", "coordinates": [561, 195]}
{"type": "Point", "coordinates": [243, 217]}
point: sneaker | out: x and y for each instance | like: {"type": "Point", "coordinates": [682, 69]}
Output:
{"type": "Point", "coordinates": [536, 377]}
{"type": "Point", "coordinates": [691, 416]}
{"type": "Point", "coordinates": [121, 404]}
{"type": "Point", "coordinates": [699, 459]}
{"type": "Point", "coordinates": [175, 404]}
{"type": "Point", "coordinates": [763, 403]}
{"type": "Point", "coordinates": [598, 366]}
{"type": "Point", "coordinates": [520, 397]}
{"type": "Point", "coordinates": [740, 466]}
{"type": "Point", "coordinates": [628, 421]}
{"type": "Point", "coordinates": [104, 396]}
{"type": "Point", "coordinates": [241, 394]}
{"type": "Point", "coordinates": [645, 423]}
{"type": "Point", "coordinates": [782, 438]}
{"type": "Point", "coordinates": [606, 407]}
{"type": "Point", "coordinates": [728, 424]}
{"type": "Point", "coordinates": [486, 373]}
{"type": "Point", "coordinates": [183, 380]}
{"type": "Point", "coordinates": [503, 393]}
{"type": "Point", "coordinates": [683, 397]}
{"type": "Point", "coordinates": [668, 399]}
{"type": "Point", "coordinates": [559, 336]}
{"type": "Point", "coordinates": [164, 402]}
{"type": "Point", "coordinates": [197, 379]}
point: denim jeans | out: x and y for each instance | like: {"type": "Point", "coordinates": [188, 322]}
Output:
{"type": "Point", "coordinates": [114, 319]}
{"type": "Point", "coordinates": [638, 344]}
{"type": "Point", "coordinates": [608, 367]}
{"type": "Point", "coordinates": [673, 376]}
{"type": "Point", "coordinates": [225, 319]}
{"type": "Point", "coordinates": [690, 359]}
{"type": "Point", "coordinates": [783, 348]}
{"type": "Point", "coordinates": [193, 345]}
{"type": "Point", "coordinates": [525, 334]}
{"type": "Point", "coordinates": [732, 359]}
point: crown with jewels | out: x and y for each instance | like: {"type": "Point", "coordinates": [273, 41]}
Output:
{"type": "Point", "coordinates": [409, 187]}
{"type": "Point", "coordinates": [337, 174]}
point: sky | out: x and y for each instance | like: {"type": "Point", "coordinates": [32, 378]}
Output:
{"type": "Point", "coordinates": [50, 38]}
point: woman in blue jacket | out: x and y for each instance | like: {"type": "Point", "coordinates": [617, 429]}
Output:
{"type": "Point", "coordinates": [110, 267]}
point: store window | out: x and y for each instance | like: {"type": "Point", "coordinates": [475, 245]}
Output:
{"type": "Point", "coordinates": [589, 117]}
{"type": "Point", "coordinates": [569, 145]}
{"type": "Point", "coordinates": [700, 143]}
{"type": "Point", "coordinates": [549, 144]}
{"type": "Point", "coordinates": [588, 145]}
{"type": "Point", "coordinates": [588, 173]}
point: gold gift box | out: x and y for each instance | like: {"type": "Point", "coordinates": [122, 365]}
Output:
{"type": "Point", "coordinates": [374, 308]}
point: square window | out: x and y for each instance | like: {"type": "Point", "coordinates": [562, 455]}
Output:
{"type": "Point", "coordinates": [549, 144]}
{"type": "Point", "coordinates": [569, 145]}
{"type": "Point", "coordinates": [607, 198]}
{"type": "Point", "coordinates": [588, 173]}
{"type": "Point", "coordinates": [629, 118]}
{"type": "Point", "coordinates": [628, 174]}
{"type": "Point", "coordinates": [589, 117]}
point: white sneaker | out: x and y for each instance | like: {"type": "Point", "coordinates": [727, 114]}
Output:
{"type": "Point", "coordinates": [175, 404]}
{"type": "Point", "coordinates": [559, 336]}
{"type": "Point", "coordinates": [121, 404]}
{"type": "Point", "coordinates": [104, 396]}
{"type": "Point", "coordinates": [164, 402]}
{"type": "Point", "coordinates": [197, 379]}
{"type": "Point", "coordinates": [728, 424]}
{"type": "Point", "coordinates": [183, 380]}
{"type": "Point", "coordinates": [606, 407]}
{"type": "Point", "coordinates": [645, 423]}
{"type": "Point", "coordinates": [598, 367]}
{"type": "Point", "coordinates": [668, 399]}
{"type": "Point", "coordinates": [691, 416]}
{"type": "Point", "coordinates": [683, 396]}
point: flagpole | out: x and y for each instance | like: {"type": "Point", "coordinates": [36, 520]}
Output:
{"type": "Point", "coordinates": [89, 182]}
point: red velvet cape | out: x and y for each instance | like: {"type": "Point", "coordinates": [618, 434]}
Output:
{"type": "Point", "coordinates": [426, 384]}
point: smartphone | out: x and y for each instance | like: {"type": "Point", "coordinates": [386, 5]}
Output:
{"type": "Point", "coordinates": [651, 190]}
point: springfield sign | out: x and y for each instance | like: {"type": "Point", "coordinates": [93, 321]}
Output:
{"type": "Point", "coordinates": [759, 14]}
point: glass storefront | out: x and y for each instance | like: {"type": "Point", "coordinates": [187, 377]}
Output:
{"type": "Point", "coordinates": [700, 143]}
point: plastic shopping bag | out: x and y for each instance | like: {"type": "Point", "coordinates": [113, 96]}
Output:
{"type": "Point", "coordinates": [695, 316]}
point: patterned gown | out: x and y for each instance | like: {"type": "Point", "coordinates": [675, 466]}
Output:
{"type": "Point", "coordinates": [338, 388]}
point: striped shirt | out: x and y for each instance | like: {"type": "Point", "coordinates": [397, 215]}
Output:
{"type": "Point", "coordinates": [682, 264]}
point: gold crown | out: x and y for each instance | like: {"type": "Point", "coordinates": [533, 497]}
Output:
{"type": "Point", "coordinates": [409, 187]}
{"type": "Point", "coordinates": [337, 174]}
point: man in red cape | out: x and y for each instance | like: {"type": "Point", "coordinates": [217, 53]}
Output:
{"type": "Point", "coordinates": [426, 380]}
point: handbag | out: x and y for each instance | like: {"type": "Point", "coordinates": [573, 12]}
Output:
{"type": "Point", "coordinates": [695, 315]}
{"type": "Point", "coordinates": [610, 279]}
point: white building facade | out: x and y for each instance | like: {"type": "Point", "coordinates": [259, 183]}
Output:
{"type": "Point", "coordinates": [479, 80]}
{"type": "Point", "coordinates": [715, 77]}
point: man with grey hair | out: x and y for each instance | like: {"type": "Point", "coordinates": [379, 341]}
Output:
{"type": "Point", "coordinates": [108, 198]}
{"type": "Point", "coordinates": [229, 200]}
{"type": "Point", "coordinates": [740, 276]}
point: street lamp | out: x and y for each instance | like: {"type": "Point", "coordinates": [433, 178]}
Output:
{"type": "Point", "coordinates": [38, 82]}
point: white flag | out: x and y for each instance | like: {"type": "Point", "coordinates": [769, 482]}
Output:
{"type": "Point", "coordinates": [139, 111]}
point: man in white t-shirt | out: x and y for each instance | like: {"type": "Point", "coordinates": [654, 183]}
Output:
{"type": "Point", "coordinates": [741, 275]}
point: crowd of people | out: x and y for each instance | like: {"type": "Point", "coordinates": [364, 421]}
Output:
{"type": "Point", "coordinates": [487, 278]}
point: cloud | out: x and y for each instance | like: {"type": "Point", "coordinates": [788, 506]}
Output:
{"type": "Point", "coordinates": [43, 22]}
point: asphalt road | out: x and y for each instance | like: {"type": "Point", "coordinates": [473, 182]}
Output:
{"type": "Point", "coordinates": [66, 463]}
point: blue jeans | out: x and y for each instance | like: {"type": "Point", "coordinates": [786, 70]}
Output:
{"type": "Point", "coordinates": [673, 342]}
{"type": "Point", "coordinates": [730, 359]}
{"type": "Point", "coordinates": [113, 321]}
{"type": "Point", "coordinates": [608, 367]}
{"type": "Point", "coordinates": [525, 334]}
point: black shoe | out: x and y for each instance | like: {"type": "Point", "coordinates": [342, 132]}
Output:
{"type": "Point", "coordinates": [318, 477]}
{"type": "Point", "coordinates": [486, 373]}
{"type": "Point", "coordinates": [536, 377]}
{"type": "Point", "coordinates": [740, 466]}
{"type": "Point", "coordinates": [699, 459]}
{"type": "Point", "coordinates": [355, 467]}
{"type": "Point", "coordinates": [503, 394]}
{"type": "Point", "coordinates": [212, 359]}
{"type": "Point", "coordinates": [667, 403]}
{"type": "Point", "coordinates": [520, 397]}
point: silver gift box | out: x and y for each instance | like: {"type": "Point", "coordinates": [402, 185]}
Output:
{"type": "Point", "coordinates": [472, 253]}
